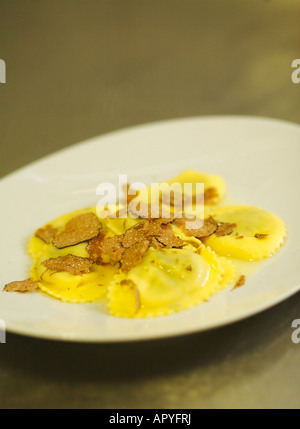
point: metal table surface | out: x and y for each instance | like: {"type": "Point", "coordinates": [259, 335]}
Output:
{"type": "Point", "coordinates": [77, 69]}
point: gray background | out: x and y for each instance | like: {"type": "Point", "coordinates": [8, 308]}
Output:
{"type": "Point", "coordinates": [76, 69]}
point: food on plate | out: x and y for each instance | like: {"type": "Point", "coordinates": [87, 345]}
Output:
{"type": "Point", "coordinates": [157, 258]}
{"type": "Point", "coordinates": [257, 233]}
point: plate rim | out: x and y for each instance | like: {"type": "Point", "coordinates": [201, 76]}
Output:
{"type": "Point", "coordinates": [162, 122]}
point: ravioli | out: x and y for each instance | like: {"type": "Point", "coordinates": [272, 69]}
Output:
{"type": "Point", "coordinates": [168, 281]}
{"type": "Point", "coordinates": [213, 186]}
{"type": "Point", "coordinates": [65, 286]}
{"type": "Point", "coordinates": [144, 264]}
{"type": "Point", "coordinates": [257, 233]}
{"type": "Point", "coordinates": [190, 192]}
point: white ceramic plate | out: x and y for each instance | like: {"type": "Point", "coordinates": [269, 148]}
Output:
{"type": "Point", "coordinates": [259, 160]}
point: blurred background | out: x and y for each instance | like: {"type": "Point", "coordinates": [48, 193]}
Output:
{"type": "Point", "coordinates": [79, 68]}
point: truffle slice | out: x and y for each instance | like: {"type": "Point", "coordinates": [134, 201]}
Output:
{"type": "Point", "coordinates": [240, 282]}
{"type": "Point", "coordinates": [22, 286]}
{"type": "Point", "coordinates": [136, 233]}
{"type": "Point", "coordinates": [94, 247]}
{"type": "Point", "coordinates": [167, 238]}
{"type": "Point", "coordinates": [81, 228]}
{"type": "Point", "coordinates": [112, 247]}
{"type": "Point", "coordinates": [225, 229]}
{"type": "Point", "coordinates": [261, 236]}
{"type": "Point", "coordinates": [209, 227]}
{"type": "Point", "coordinates": [196, 227]}
{"type": "Point", "coordinates": [46, 233]}
{"type": "Point", "coordinates": [72, 264]}
{"type": "Point", "coordinates": [133, 255]}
